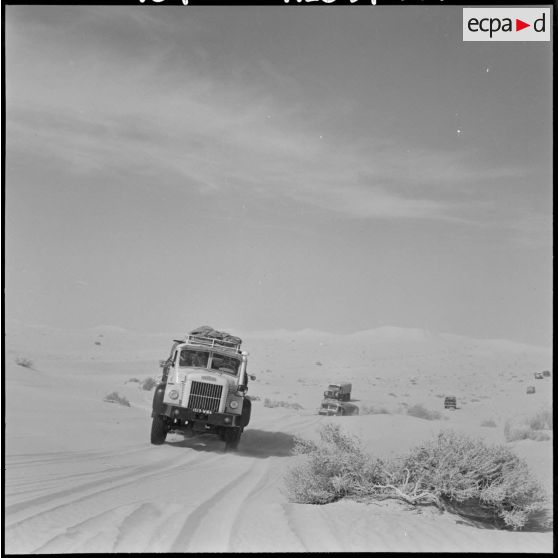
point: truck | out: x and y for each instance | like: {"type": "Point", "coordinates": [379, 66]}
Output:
{"type": "Point", "coordinates": [341, 391]}
{"type": "Point", "coordinates": [332, 407]}
{"type": "Point", "coordinates": [450, 402]}
{"type": "Point", "coordinates": [203, 389]}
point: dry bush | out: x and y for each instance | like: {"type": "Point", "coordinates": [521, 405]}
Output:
{"type": "Point", "coordinates": [148, 384]}
{"type": "Point", "coordinates": [542, 420]}
{"type": "Point", "coordinates": [334, 468]}
{"type": "Point", "coordinates": [272, 403]}
{"type": "Point", "coordinates": [136, 380]}
{"type": "Point", "coordinates": [489, 422]}
{"type": "Point", "coordinates": [420, 411]}
{"type": "Point", "coordinates": [115, 398]}
{"type": "Point", "coordinates": [529, 428]}
{"type": "Point", "coordinates": [25, 362]}
{"type": "Point", "coordinates": [373, 410]}
{"type": "Point", "coordinates": [452, 471]}
{"type": "Point", "coordinates": [487, 481]}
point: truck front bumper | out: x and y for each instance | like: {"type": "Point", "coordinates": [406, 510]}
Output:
{"type": "Point", "coordinates": [216, 419]}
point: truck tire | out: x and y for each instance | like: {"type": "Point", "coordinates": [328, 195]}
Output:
{"type": "Point", "coordinates": [232, 437]}
{"type": "Point", "coordinates": [158, 430]}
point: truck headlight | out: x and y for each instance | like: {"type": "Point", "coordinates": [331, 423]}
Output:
{"type": "Point", "coordinates": [233, 404]}
{"type": "Point", "coordinates": [173, 394]}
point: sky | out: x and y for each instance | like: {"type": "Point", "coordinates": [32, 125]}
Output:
{"type": "Point", "coordinates": [338, 168]}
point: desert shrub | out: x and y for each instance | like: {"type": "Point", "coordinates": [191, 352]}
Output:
{"type": "Point", "coordinates": [97, 342]}
{"type": "Point", "coordinates": [489, 422]}
{"type": "Point", "coordinates": [137, 380]}
{"type": "Point", "coordinates": [452, 471]}
{"type": "Point", "coordinates": [420, 411]}
{"type": "Point", "coordinates": [334, 467]}
{"type": "Point", "coordinates": [373, 410]}
{"type": "Point", "coordinates": [529, 427]}
{"type": "Point", "coordinates": [25, 362]}
{"type": "Point", "coordinates": [115, 398]}
{"type": "Point", "coordinates": [487, 481]}
{"type": "Point", "coordinates": [148, 384]}
{"type": "Point", "coordinates": [272, 403]}
{"type": "Point", "coordinates": [542, 420]}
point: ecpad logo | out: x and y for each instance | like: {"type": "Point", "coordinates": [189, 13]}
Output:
{"type": "Point", "coordinates": [506, 24]}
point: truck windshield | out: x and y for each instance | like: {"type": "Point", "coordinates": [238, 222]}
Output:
{"type": "Point", "coordinates": [188, 357]}
{"type": "Point", "coordinates": [224, 363]}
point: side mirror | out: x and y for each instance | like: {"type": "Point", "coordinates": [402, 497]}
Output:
{"type": "Point", "coordinates": [252, 377]}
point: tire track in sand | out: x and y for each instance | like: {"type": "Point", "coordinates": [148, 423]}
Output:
{"type": "Point", "coordinates": [55, 504]}
{"type": "Point", "coordinates": [209, 526]}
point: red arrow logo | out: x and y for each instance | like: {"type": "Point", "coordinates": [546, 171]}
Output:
{"type": "Point", "coordinates": [519, 25]}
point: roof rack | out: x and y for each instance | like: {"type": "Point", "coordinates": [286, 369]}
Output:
{"type": "Point", "coordinates": [212, 343]}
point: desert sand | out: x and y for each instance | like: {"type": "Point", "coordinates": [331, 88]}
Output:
{"type": "Point", "coordinates": [81, 475]}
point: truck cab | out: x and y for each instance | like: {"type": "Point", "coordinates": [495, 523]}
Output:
{"type": "Point", "coordinates": [330, 407]}
{"type": "Point", "coordinates": [203, 391]}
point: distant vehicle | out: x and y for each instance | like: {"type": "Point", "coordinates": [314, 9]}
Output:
{"type": "Point", "coordinates": [331, 408]}
{"type": "Point", "coordinates": [539, 376]}
{"type": "Point", "coordinates": [546, 373]}
{"type": "Point", "coordinates": [530, 389]}
{"type": "Point", "coordinates": [203, 389]}
{"type": "Point", "coordinates": [450, 402]}
{"type": "Point", "coordinates": [341, 391]}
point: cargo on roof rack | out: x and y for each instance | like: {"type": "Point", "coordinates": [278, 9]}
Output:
{"type": "Point", "coordinates": [212, 342]}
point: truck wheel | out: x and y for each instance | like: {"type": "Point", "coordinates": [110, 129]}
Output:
{"type": "Point", "coordinates": [232, 437]}
{"type": "Point", "coordinates": [158, 430]}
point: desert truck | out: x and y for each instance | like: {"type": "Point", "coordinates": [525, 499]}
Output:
{"type": "Point", "coordinates": [331, 407]}
{"type": "Point", "coordinates": [450, 402]}
{"type": "Point", "coordinates": [341, 392]}
{"type": "Point", "coordinates": [203, 389]}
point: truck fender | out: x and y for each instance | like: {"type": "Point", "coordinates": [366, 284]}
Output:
{"type": "Point", "coordinates": [158, 397]}
{"type": "Point", "coordinates": [246, 412]}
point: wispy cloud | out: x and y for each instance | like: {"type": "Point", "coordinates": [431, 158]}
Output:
{"type": "Point", "coordinates": [214, 132]}
{"type": "Point", "coordinates": [219, 143]}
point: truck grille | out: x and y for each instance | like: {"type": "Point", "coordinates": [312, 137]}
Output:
{"type": "Point", "coordinates": [205, 397]}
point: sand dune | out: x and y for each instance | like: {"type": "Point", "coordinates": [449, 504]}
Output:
{"type": "Point", "coordinates": [81, 475]}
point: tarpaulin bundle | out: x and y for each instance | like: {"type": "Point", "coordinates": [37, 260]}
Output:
{"type": "Point", "coordinates": [208, 331]}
